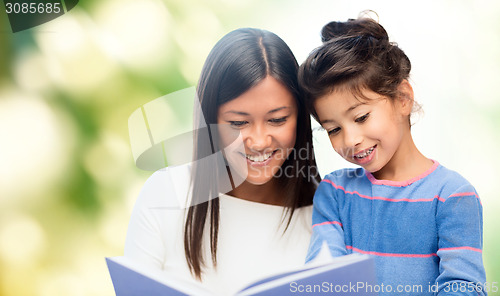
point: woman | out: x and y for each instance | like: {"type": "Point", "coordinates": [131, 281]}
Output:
{"type": "Point", "coordinates": [248, 87]}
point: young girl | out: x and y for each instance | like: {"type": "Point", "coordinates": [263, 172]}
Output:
{"type": "Point", "coordinates": [422, 221]}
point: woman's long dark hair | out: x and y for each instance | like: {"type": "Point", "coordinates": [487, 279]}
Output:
{"type": "Point", "coordinates": [239, 61]}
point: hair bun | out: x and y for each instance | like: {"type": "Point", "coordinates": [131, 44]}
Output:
{"type": "Point", "coordinates": [354, 28]}
{"type": "Point", "coordinates": [334, 30]}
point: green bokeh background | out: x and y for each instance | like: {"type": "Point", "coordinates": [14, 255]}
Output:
{"type": "Point", "coordinates": [67, 177]}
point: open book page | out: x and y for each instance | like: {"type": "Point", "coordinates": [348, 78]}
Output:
{"type": "Point", "coordinates": [323, 273]}
{"type": "Point", "coordinates": [131, 279]}
{"type": "Point", "coordinates": [320, 276]}
{"type": "Point", "coordinates": [324, 257]}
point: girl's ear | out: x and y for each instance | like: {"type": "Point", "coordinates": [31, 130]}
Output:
{"type": "Point", "coordinates": [405, 97]}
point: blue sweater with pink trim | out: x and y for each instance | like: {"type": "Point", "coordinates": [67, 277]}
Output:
{"type": "Point", "coordinates": [425, 233]}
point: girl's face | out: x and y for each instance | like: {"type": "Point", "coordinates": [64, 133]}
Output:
{"type": "Point", "coordinates": [367, 132]}
{"type": "Point", "coordinates": [266, 118]}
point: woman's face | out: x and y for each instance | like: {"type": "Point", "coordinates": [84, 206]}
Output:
{"type": "Point", "coordinates": [265, 116]}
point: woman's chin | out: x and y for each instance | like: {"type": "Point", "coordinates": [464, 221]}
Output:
{"type": "Point", "coordinates": [258, 180]}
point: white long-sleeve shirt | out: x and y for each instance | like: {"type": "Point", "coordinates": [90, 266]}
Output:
{"type": "Point", "coordinates": [251, 242]}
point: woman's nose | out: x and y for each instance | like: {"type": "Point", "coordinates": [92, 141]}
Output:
{"type": "Point", "coordinates": [258, 139]}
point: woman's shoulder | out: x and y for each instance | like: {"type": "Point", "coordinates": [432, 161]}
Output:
{"type": "Point", "coordinates": [166, 188]}
{"type": "Point", "coordinates": [155, 227]}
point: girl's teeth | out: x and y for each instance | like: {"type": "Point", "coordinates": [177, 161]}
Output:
{"type": "Point", "coordinates": [259, 158]}
{"type": "Point", "coordinates": [365, 154]}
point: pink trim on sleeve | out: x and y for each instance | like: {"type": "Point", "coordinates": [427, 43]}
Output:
{"type": "Point", "coordinates": [411, 255]}
{"type": "Point", "coordinates": [328, 222]}
{"type": "Point", "coordinates": [462, 248]}
{"type": "Point", "coordinates": [391, 254]}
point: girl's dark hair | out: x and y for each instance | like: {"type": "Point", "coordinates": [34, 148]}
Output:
{"type": "Point", "coordinates": [239, 61]}
{"type": "Point", "coordinates": [355, 55]}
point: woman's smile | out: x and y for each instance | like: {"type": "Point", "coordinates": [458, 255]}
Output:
{"type": "Point", "coordinates": [260, 159]}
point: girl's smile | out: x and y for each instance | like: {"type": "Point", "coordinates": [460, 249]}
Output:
{"type": "Point", "coordinates": [364, 156]}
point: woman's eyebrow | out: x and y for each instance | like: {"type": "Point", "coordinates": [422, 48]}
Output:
{"type": "Point", "coordinates": [278, 109]}
{"type": "Point", "coordinates": [237, 112]}
{"type": "Point", "coordinates": [246, 114]}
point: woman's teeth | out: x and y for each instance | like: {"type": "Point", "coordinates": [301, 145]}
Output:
{"type": "Point", "coordinates": [259, 158]}
{"type": "Point", "coordinates": [365, 154]}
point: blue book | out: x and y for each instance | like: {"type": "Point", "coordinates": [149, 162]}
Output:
{"type": "Point", "coordinates": [348, 275]}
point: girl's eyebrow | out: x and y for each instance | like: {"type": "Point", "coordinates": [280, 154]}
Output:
{"type": "Point", "coordinates": [325, 121]}
{"type": "Point", "coordinates": [354, 107]}
{"type": "Point", "coordinates": [346, 111]}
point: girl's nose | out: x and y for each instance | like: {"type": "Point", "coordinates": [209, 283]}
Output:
{"type": "Point", "coordinates": [352, 138]}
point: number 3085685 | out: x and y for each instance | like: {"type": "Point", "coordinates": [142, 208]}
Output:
{"type": "Point", "coordinates": [32, 8]}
